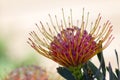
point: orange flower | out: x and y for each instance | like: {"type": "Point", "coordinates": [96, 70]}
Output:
{"type": "Point", "coordinates": [71, 45]}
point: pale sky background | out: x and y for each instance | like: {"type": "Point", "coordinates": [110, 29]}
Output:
{"type": "Point", "coordinates": [17, 18]}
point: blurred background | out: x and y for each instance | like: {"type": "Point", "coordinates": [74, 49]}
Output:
{"type": "Point", "coordinates": [18, 18]}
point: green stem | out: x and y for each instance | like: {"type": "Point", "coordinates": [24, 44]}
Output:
{"type": "Point", "coordinates": [76, 72]}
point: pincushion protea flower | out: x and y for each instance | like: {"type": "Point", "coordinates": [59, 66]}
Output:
{"type": "Point", "coordinates": [28, 73]}
{"type": "Point", "coordinates": [69, 44]}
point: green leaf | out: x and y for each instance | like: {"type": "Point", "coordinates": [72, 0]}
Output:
{"type": "Point", "coordinates": [86, 74]}
{"type": "Point", "coordinates": [102, 63]}
{"type": "Point", "coordinates": [117, 58]}
{"type": "Point", "coordinates": [65, 73]}
{"type": "Point", "coordinates": [117, 70]}
{"type": "Point", "coordinates": [117, 73]}
{"type": "Point", "coordinates": [96, 72]}
{"type": "Point", "coordinates": [112, 76]}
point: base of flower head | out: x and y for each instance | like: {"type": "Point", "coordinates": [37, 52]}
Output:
{"type": "Point", "coordinates": [77, 72]}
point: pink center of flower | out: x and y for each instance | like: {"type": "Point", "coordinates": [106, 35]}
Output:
{"type": "Point", "coordinates": [73, 42]}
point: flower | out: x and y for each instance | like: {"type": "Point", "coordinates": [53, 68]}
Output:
{"type": "Point", "coordinates": [69, 44]}
{"type": "Point", "coordinates": [28, 73]}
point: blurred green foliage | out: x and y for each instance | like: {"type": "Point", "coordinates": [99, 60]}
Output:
{"type": "Point", "coordinates": [3, 58]}
{"type": "Point", "coordinates": [2, 49]}
{"type": "Point", "coordinates": [6, 64]}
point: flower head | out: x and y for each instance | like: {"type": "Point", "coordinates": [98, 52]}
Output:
{"type": "Point", "coordinates": [69, 44]}
{"type": "Point", "coordinates": [28, 73]}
